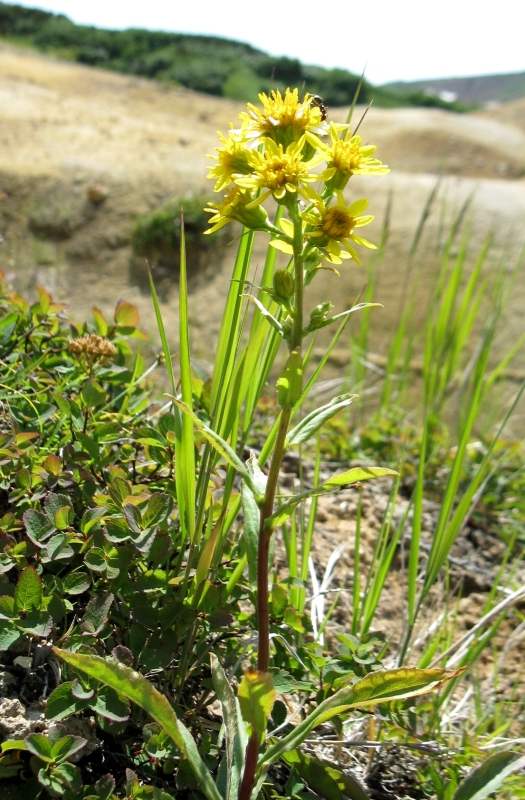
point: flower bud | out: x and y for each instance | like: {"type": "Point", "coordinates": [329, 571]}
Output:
{"type": "Point", "coordinates": [319, 312]}
{"type": "Point", "coordinates": [283, 284]}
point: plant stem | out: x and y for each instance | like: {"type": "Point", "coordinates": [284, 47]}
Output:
{"type": "Point", "coordinates": [263, 622]}
{"type": "Point", "coordinates": [250, 765]}
{"type": "Point", "coordinates": [266, 507]}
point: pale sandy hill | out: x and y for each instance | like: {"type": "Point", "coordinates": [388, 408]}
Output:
{"type": "Point", "coordinates": [511, 114]}
{"type": "Point", "coordinates": [65, 127]}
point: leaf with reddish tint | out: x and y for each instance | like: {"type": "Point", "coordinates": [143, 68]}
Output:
{"type": "Point", "coordinates": [100, 321]}
{"type": "Point", "coordinates": [126, 314]}
{"type": "Point", "coordinates": [53, 465]}
{"type": "Point", "coordinates": [96, 615]}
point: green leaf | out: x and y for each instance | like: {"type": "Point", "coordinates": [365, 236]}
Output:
{"type": "Point", "coordinates": [323, 778]}
{"type": "Point", "coordinates": [265, 313]}
{"type": "Point", "coordinates": [95, 560]}
{"type": "Point", "coordinates": [77, 583]}
{"type": "Point", "coordinates": [359, 474]}
{"type": "Point", "coordinates": [219, 444]}
{"type": "Point", "coordinates": [60, 778]}
{"type": "Point", "coordinates": [92, 394]}
{"type": "Point", "coordinates": [40, 746]}
{"type": "Point", "coordinates": [252, 518]}
{"type": "Point", "coordinates": [313, 421]}
{"type": "Point", "coordinates": [28, 592]}
{"type": "Point", "coordinates": [290, 384]}
{"type": "Point", "coordinates": [36, 623]}
{"type": "Point", "coordinates": [159, 508]}
{"type": "Point", "coordinates": [64, 518]}
{"type": "Point", "coordinates": [8, 635]}
{"type": "Point", "coordinates": [354, 475]}
{"type": "Point", "coordinates": [126, 314]}
{"type": "Point", "coordinates": [235, 731]}
{"type": "Point", "coordinates": [61, 703]}
{"type": "Point", "coordinates": [293, 619]}
{"type": "Point", "coordinates": [67, 746]}
{"type": "Point", "coordinates": [58, 548]}
{"type": "Point", "coordinates": [111, 706]}
{"type": "Point", "coordinates": [90, 518]}
{"type": "Point", "coordinates": [37, 525]}
{"type": "Point", "coordinates": [54, 503]}
{"type": "Point", "coordinates": [489, 776]}
{"type": "Point", "coordinates": [52, 464]}
{"type": "Point", "coordinates": [383, 686]}
{"type": "Point", "coordinates": [256, 698]}
{"type": "Point", "coordinates": [137, 689]}
{"type": "Point", "coordinates": [96, 615]}
{"type": "Point", "coordinates": [100, 321]}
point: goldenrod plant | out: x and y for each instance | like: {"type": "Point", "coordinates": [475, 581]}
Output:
{"type": "Point", "coordinates": [287, 152]}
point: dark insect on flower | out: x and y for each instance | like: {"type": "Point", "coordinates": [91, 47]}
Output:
{"type": "Point", "coordinates": [318, 102]}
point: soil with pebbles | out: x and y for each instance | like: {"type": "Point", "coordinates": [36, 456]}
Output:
{"type": "Point", "coordinates": [473, 568]}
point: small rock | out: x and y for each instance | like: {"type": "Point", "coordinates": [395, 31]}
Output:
{"type": "Point", "coordinates": [97, 193]}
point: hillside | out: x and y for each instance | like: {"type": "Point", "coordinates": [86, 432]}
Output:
{"type": "Point", "coordinates": [477, 90]}
{"type": "Point", "coordinates": [207, 64]}
{"type": "Point", "coordinates": [67, 128]}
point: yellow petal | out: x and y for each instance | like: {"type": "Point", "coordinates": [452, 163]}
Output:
{"type": "Point", "coordinates": [279, 244]}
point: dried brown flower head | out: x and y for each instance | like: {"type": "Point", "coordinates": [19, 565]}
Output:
{"type": "Point", "coordinates": [92, 348]}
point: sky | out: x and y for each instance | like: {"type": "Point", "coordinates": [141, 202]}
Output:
{"type": "Point", "coordinates": [395, 39]}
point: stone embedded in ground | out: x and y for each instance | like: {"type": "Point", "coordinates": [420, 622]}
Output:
{"type": "Point", "coordinates": [97, 193]}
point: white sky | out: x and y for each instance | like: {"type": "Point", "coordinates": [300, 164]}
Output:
{"type": "Point", "coordinates": [397, 39]}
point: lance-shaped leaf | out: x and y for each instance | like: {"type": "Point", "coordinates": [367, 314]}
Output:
{"type": "Point", "coordinates": [264, 311]}
{"type": "Point", "coordinates": [203, 567]}
{"type": "Point", "coordinates": [313, 421]}
{"type": "Point", "coordinates": [256, 698]}
{"type": "Point", "coordinates": [383, 686]}
{"type": "Point", "coordinates": [252, 515]}
{"type": "Point", "coordinates": [219, 444]}
{"type": "Point", "coordinates": [234, 729]}
{"type": "Point", "coordinates": [489, 776]}
{"type": "Point", "coordinates": [324, 778]}
{"type": "Point", "coordinates": [136, 688]}
{"type": "Point", "coordinates": [354, 475]}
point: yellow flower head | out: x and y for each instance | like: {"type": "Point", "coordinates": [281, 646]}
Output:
{"type": "Point", "coordinates": [232, 160]}
{"type": "Point", "coordinates": [346, 157]}
{"type": "Point", "coordinates": [237, 204]}
{"type": "Point", "coordinates": [333, 228]}
{"type": "Point", "coordinates": [278, 170]}
{"type": "Point", "coordinates": [284, 119]}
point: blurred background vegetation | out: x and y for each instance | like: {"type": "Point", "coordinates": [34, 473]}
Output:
{"type": "Point", "coordinates": [206, 64]}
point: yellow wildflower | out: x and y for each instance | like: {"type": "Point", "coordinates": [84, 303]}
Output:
{"type": "Point", "coordinates": [232, 160]}
{"type": "Point", "coordinates": [237, 204]}
{"type": "Point", "coordinates": [333, 228]}
{"type": "Point", "coordinates": [284, 119]}
{"type": "Point", "coordinates": [346, 157]}
{"type": "Point", "coordinates": [279, 171]}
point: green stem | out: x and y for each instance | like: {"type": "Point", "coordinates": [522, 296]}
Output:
{"type": "Point", "coordinates": [266, 507]}
{"type": "Point", "coordinates": [263, 622]}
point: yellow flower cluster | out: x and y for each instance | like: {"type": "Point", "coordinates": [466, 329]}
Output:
{"type": "Point", "coordinates": [276, 152]}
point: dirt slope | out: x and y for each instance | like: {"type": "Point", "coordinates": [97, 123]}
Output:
{"type": "Point", "coordinates": [65, 128]}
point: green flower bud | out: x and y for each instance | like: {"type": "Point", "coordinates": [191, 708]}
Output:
{"type": "Point", "coordinates": [319, 312]}
{"type": "Point", "coordinates": [283, 284]}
